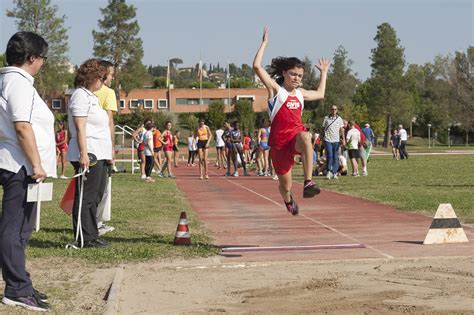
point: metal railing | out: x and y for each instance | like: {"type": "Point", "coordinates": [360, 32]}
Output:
{"type": "Point", "coordinates": [127, 131]}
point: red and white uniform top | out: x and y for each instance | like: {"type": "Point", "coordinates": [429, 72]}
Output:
{"type": "Point", "coordinates": [285, 112]}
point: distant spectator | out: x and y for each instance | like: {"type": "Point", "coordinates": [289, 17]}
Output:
{"type": "Point", "coordinates": [192, 148]}
{"type": "Point", "coordinates": [61, 146]}
{"type": "Point", "coordinates": [176, 137]}
{"type": "Point", "coordinates": [220, 159]}
{"type": "Point", "coordinates": [333, 130]}
{"type": "Point", "coordinates": [148, 151]}
{"type": "Point", "coordinates": [403, 141]}
{"type": "Point", "coordinates": [395, 143]}
{"type": "Point", "coordinates": [316, 144]}
{"type": "Point", "coordinates": [369, 135]}
{"type": "Point", "coordinates": [342, 165]}
{"type": "Point", "coordinates": [353, 139]}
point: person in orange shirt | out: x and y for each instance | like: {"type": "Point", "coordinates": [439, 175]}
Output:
{"type": "Point", "coordinates": [204, 137]}
{"type": "Point", "coordinates": [157, 147]}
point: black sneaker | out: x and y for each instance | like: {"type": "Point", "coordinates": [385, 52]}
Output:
{"type": "Point", "coordinates": [28, 302]}
{"type": "Point", "coordinates": [310, 189]}
{"type": "Point", "coordinates": [40, 296]}
{"type": "Point", "coordinates": [97, 243]}
{"type": "Point", "coordinates": [292, 207]}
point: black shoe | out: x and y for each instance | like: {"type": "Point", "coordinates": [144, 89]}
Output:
{"type": "Point", "coordinates": [40, 296]}
{"type": "Point", "coordinates": [97, 243]}
{"type": "Point", "coordinates": [311, 189]}
{"type": "Point", "coordinates": [28, 302]}
{"type": "Point", "coordinates": [292, 207]}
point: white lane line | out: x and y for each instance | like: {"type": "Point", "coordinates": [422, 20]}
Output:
{"type": "Point", "coordinates": [290, 247]}
{"type": "Point", "coordinates": [311, 219]}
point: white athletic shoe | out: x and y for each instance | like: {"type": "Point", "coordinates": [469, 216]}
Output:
{"type": "Point", "coordinates": [364, 173]}
{"type": "Point", "coordinates": [329, 175]}
{"type": "Point", "coordinates": [236, 174]}
{"type": "Point", "coordinates": [104, 228]}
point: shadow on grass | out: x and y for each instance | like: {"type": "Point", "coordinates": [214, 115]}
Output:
{"type": "Point", "coordinates": [57, 230]}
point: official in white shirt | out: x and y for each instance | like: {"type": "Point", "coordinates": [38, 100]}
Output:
{"type": "Point", "coordinates": [403, 142]}
{"type": "Point", "coordinates": [27, 155]}
{"type": "Point", "coordinates": [90, 133]}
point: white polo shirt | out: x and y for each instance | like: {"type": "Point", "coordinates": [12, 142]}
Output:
{"type": "Point", "coordinates": [403, 135]}
{"type": "Point", "coordinates": [84, 103]}
{"type": "Point", "coordinates": [20, 102]}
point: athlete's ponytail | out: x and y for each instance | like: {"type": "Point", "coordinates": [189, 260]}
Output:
{"type": "Point", "coordinates": [280, 64]}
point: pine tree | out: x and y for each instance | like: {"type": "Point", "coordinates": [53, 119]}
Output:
{"type": "Point", "coordinates": [388, 95]}
{"type": "Point", "coordinates": [117, 41]}
{"type": "Point", "coordinates": [40, 17]}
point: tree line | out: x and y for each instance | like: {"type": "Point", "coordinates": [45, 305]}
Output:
{"type": "Point", "coordinates": [439, 92]}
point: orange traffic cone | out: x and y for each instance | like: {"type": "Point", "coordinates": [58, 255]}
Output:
{"type": "Point", "coordinates": [183, 236]}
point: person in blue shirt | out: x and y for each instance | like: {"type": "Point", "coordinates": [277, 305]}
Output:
{"type": "Point", "coordinates": [369, 135]}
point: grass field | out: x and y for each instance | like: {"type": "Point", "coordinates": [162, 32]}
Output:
{"type": "Point", "coordinates": [418, 184]}
{"type": "Point", "coordinates": [145, 217]}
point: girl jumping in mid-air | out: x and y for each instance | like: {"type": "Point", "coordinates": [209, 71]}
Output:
{"type": "Point", "coordinates": [288, 136]}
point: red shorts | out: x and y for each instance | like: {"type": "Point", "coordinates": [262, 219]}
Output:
{"type": "Point", "coordinates": [62, 147]}
{"type": "Point", "coordinates": [283, 159]}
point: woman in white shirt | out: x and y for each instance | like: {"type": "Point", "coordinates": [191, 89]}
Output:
{"type": "Point", "coordinates": [27, 155]}
{"type": "Point", "coordinates": [90, 137]}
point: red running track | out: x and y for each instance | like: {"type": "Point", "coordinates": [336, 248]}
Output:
{"type": "Point", "coordinates": [247, 212]}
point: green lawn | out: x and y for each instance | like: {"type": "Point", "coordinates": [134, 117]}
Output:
{"type": "Point", "coordinates": [418, 184]}
{"type": "Point", "coordinates": [145, 217]}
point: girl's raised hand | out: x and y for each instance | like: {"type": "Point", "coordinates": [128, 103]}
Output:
{"type": "Point", "coordinates": [323, 65]}
{"type": "Point", "coordinates": [265, 36]}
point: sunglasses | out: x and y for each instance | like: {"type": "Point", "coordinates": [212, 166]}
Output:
{"type": "Point", "coordinates": [44, 58]}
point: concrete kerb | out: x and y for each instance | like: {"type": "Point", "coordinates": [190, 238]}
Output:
{"type": "Point", "coordinates": [111, 307]}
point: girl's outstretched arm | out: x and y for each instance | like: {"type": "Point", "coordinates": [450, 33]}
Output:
{"type": "Point", "coordinates": [314, 95]}
{"type": "Point", "coordinates": [269, 83]}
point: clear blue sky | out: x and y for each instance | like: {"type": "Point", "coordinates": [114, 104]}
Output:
{"type": "Point", "coordinates": [221, 29]}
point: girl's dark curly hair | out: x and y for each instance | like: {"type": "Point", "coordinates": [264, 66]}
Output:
{"type": "Point", "coordinates": [89, 72]}
{"type": "Point", "coordinates": [280, 64]}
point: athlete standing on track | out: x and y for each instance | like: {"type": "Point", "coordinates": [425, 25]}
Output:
{"type": "Point", "coordinates": [204, 137]}
{"type": "Point", "coordinates": [167, 140]}
{"type": "Point", "coordinates": [229, 146]}
{"type": "Point", "coordinates": [288, 135]}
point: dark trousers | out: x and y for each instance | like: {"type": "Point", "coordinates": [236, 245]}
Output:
{"type": "Point", "coordinates": [16, 224]}
{"type": "Point", "coordinates": [94, 187]}
{"type": "Point", "coordinates": [191, 155]}
{"type": "Point", "coordinates": [149, 162]}
{"type": "Point", "coordinates": [403, 151]}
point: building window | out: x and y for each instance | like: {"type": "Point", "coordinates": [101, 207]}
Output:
{"type": "Point", "coordinates": [133, 103]}
{"type": "Point", "coordinates": [148, 103]}
{"type": "Point", "coordinates": [246, 97]}
{"type": "Point", "coordinates": [122, 104]}
{"type": "Point", "coordinates": [187, 101]}
{"type": "Point", "coordinates": [56, 104]}
{"type": "Point", "coordinates": [162, 103]}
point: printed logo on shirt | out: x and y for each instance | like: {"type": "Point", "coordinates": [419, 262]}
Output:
{"type": "Point", "coordinates": [293, 104]}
